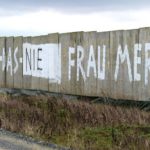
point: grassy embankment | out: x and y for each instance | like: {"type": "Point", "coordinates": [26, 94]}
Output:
{"type": "Point", "coordinates": [76, 124]}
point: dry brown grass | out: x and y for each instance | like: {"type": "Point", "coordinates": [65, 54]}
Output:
{"type": "Point", "coordinates": [46, 117]}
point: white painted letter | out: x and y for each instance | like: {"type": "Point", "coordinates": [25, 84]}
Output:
{"type": "Point", "coordinates": [91, 62]}
{"type": "Point", "coordinates": [101, 72]}
{"type": "Point", "coordinates": [123, 57]}
{"type": "Point", "coordinates": [15, 59]}
{"type": "Point", "coordinates": [9, 61]}
{"type": "Point", "coordinates": [80, 51]}
{"type": "Point", "coordinates": [147, 62]}
{"type": "Point", "coordinates": [71, 62]}
{"type": "Point", "coordinates": [137, 60]}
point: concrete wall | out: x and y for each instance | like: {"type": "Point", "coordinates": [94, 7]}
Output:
{"type": "Point", "coordinates": [112, 64]}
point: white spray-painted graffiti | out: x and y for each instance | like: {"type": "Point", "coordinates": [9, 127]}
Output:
{"type": "Point", "coordinates": [98, 69]}
{"type": "Point", "coordinates": [99, 66]}
{"type": "Point", "coordinates": [124, 55]}
{"type": "Point", "coordinates": [44, 61]}
{"type": "Point", "coordinates": [7, 62]}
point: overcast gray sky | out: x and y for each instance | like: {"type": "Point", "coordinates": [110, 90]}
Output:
{"type": "Point", "coordinates": [73, 6]}
{"type": "Point", "coordinates": [33, 17]}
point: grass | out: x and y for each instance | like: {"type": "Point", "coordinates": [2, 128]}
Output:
{"type": "Point", "coordinates": [79, 125]}
{"type": "Point", "coordinates": [97, 138]}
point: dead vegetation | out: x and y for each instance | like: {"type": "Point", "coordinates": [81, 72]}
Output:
{"type": "Point", "coordinates": [76, 124]}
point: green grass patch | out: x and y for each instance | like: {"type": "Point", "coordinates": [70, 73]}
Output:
{"type": "Point", "coordinates": [75, 124]}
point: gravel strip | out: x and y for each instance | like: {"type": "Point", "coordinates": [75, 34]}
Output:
{"type": "Point", "coordinates": [16, 141]}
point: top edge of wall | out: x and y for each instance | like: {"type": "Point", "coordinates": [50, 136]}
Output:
{"type": "Point", "coordinates": [105, 31]}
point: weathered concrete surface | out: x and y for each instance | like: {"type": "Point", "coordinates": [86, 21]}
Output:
{"type": "Point", "coordinates": [9, 62]}
{"type": "Point", "coordinates": [27, 80]}
{"type": "Point", "coordinates": [18, 72]}
{"type": "Point", "coordinates": [103, 42]}
{"type": "Point", "coordinates": [2, 63]}
{"type": "Point", "coordinates": [52, 86]}
{"type": "Point", "coordinates": [113, 64]}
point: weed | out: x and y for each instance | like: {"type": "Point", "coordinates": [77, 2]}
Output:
{"type": "Point", "coordinates": [77, 124]}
